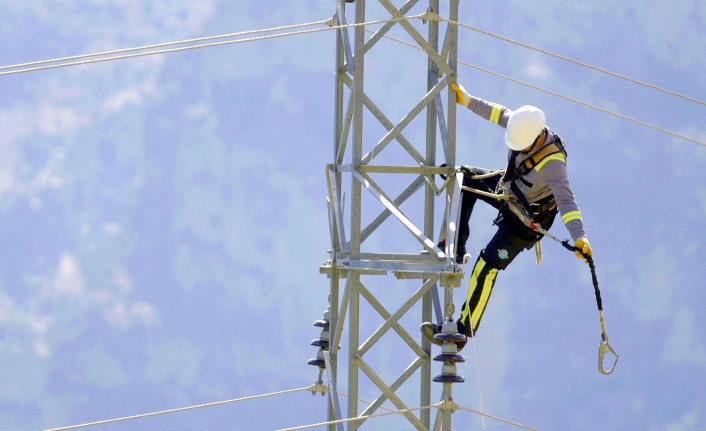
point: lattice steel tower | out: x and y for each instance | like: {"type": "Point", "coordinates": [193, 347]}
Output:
{"type": "Point", "coordinates": [434, 268]}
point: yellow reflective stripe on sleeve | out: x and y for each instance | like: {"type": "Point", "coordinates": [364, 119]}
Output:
{"type": "Point", "coordinates": [571, 215]}
{"type": "Point", "coordinates": [495, 113]}
{"type": "Point", "coordinates": [558, 156]}
{"type": "Point", "coordinates": [472, 284]}
{"type": "Point", "coordinates": [487, 287]}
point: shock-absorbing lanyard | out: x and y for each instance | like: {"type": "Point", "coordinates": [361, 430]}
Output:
{"type": "Point", "coordinates": [604, 346]}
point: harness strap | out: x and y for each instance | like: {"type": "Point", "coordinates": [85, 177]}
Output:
{"type": "Point", "coordinates": [536, 158]}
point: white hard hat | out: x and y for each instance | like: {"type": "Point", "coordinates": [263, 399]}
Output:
{"type": "Point", "coordinates": [526, 123]}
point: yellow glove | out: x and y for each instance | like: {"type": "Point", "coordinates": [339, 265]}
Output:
{"type": "Point", "coordinates": [583, 245]}
{"type": "Point", "coordinates": [462, 96]}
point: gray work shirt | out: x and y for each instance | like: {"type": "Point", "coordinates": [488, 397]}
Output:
{"type": "Point", "coordinates": [549, 177]}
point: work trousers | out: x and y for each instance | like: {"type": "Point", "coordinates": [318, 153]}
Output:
{"type": "Point", "coordinates": [511, 238]}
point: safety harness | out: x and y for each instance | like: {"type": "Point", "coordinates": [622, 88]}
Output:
{"type": "Point", "coordinates": [514, 173]}
{"type": "Point", "coordinates": [526, 215]}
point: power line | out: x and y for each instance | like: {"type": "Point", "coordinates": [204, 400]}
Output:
{"type": "Point", "coordinates": [182, 409]}
{"type": "Point", "coordinates": [160, 45]}
{"type": "Point", "coordinates": [360, 418]}
{"type": "Point", "coordinates": [498, 419]}
{"type": "Point", "coordinates": [205, 45]}
{"type": "Point", "coordinates": [579, 63]}
{"type": "Point", "coordinates": [570, 99]}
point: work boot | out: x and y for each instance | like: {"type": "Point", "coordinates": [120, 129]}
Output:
{"type": "Point", "coordinates": [430, 329]}
{"type": "Point", "coordinates": [462, 257]}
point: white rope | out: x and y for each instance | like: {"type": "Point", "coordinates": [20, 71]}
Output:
{"type": "Point", "coordinates": [205, 45]}
{"type": "Point", "coordinates": [498, 419]}
{"type": "Point", "coordinates": [480, 391]}
{"type": "Point", "coordinates": [160, 45]}
{"type": "Point", "coordinates": [367, 402]}
{"type": "Point", "coordinates": [587, 105]}
{"type": "Point", "coordinates": [341, 421]}
{"type": "Point", "coordinates": [579, 63]}
{"type": "Point", "coordinates": [181, 409]}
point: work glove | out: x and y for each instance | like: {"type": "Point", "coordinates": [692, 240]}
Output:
{"type": "Point", "coordinates": [462, 96]}
{"type": "Point", "coordinates": [583, 245]}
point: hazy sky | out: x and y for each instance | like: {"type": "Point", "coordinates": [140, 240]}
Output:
{"type": "Point", "coordinates": [164, 218]}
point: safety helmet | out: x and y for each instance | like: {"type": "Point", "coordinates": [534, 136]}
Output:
{"type": "Point", "coordinates": [525, 124]}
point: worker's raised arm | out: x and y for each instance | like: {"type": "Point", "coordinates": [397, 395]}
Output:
{"type": "Point", "coordinates": [492, 112]}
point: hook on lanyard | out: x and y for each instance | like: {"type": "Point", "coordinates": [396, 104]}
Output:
{"type": "Point", "coordinates": [604, 348]}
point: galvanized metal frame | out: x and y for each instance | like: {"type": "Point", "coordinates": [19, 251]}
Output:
{"type": "Point", "coordinates": [346, 259]}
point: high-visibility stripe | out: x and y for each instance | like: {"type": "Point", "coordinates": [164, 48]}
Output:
{"type": "Point", "coordinates": [487, 288]}
{"type": "Point", "coordinates": [472, 284]}
{"type": "Point", "coordinates": [558, 156]}
{"type": "Point", "coordinates": [495, 113]}
{"type": "Point", "coordinates": [571, 215]}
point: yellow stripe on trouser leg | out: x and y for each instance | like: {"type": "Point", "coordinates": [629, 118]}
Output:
{"type": "Point", "coordinates": [487, 288]}
{"type": "Point", "coordinates": [472, 284]}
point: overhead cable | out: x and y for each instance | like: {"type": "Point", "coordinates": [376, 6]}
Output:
{"type": "Point", "coordinates": [181, 409]}
{"type": "Point", "coordinates": [570, 99]}
{"type": "Point", "coordinates": [161, 45]}
{"type": "Point", "coordinates": [498, 419]}
{"type": "Point", "coordinates": [579, 63]}
{"type": "Point", "coordinates": [360, 418]}
{"type": "Point", "coordinates": [205, 45]}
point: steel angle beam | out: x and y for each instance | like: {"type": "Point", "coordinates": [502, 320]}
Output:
{"type": "Point", "coordinates": [373, 188]}
{"type": "Point", "coordinates": [439, 108]}
{"type": "Point", "coordinates": [406, 194]}
{"type": "Point", "coordinates": [428, 268]}
{"type": "Point", "coordinates": [425, 170]}
{"type": "Point", "coordinates": [401, 257]}
{"type": "Point", "coordinates": [341, 18]}
{"type": "Point", "coordinates": [445, 49]}
{"type": "Point", "coordinates": [330, 223]}
{"type": "Point", "coordinates": [404, 335]}
{"type": "Point", "coordinates": [411, 369]}
{"type": "Point", "coordinates": [389, 393]}
{"type": "Point", "coordinates": [336, 204]}
{"type": "Point", "coordinates": [392, 134]}
{"type": "Point", "coordinates": [392, 320]}
{"type": "Point", "coordinates": [328, 269]}
{"type": "Point", "coordinates": [385, 28]}
{"type": "Point", "coordinates": [433, 55]}
{"type": "Point", "coordinates": [454, 214]}
{"type": "Point", "coordinates": [377, 113]}
{"type": "Point", "coordinates": [332, 390]}
{"type": "Point", "coordinates": [341, 150]}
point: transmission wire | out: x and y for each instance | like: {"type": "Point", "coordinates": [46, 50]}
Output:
{"type": "Point", "coordinates": [180, 409]}
{"type": "Point", "coordinates": [579, 63]}
{"type": "Point", "coordinates": [570, 99]}
{"type": "Point", "coordinates": [159, 45]}
{"type": "Point", "coordinates": [205, 45]}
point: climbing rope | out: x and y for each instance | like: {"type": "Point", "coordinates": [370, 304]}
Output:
{"type": "Point", "coordinates": [182, 409]}
{"type": "Point", "coordinates": [561, 96]}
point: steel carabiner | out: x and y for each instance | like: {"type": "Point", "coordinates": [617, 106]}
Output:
{"type": "Point", "coordinates": [604, 348]}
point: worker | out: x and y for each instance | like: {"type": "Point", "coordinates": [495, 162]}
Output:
{"type": "Point", "coordinates": [536, 178]}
